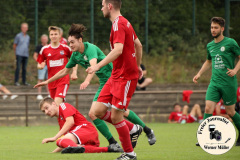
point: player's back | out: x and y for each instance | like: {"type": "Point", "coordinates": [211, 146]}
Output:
{"type": "Point", "coordinates": [125, 66]}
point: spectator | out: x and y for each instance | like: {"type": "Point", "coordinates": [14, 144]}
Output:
{"type": "Point", "coordinates": [182, 116]}
{"type": "Point", "coordinates": [143, 82]}
{"type": "Point", "coordinates": [6, 91]}
{"type": "Point", "coordinates": [62, 39]}
{"type": "Point", "coordinates": [42, 73]}
{"type": "Point", "coordinates": [221, 111]}
{"type": "Point", "coordinates": [237, 106]}
{"type": "Point", "coordinates": [20, 47]}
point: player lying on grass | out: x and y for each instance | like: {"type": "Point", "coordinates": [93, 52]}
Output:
{"type": "Point", "coordinates": [76, 134]}
{"type": "Point", "coordinates": [87, 54]}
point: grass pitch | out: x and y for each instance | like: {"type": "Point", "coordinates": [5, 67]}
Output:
{"type": "Point", "coordinates": [174, 142]}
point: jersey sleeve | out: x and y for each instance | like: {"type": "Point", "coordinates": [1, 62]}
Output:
{"type": "Point", "coordinates": [71, 63]}
{"type": "Point", "coordinates": [119, 34]}
{"type": "Point", "coordinates": [41, 57]}
{"type": "Point", "coordinates": [171, 116]}
{"type": "Point", "coordinates": [38, 49]}
{"type": "Point", "coordinates": [143, 67]}
{"type": "Point", "coordinates": [67, 110]}
{"type": "Point", "coordinates": [235, 48]}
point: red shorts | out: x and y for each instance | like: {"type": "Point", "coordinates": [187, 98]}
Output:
{"type": "Point", "coordinates": [60, 91]}
{"type": "Point", "coordinates": [117, 93]}
{"type": "Point", "coordinates": [86, 135]}
{"type": "Point", "coordinates": [191, 119]}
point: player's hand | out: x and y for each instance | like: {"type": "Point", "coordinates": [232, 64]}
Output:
{"type": "Point", "coordinates": [195, 78]}
{"type": "Point", "coordinates": [74, 77]}
{"type": "Point", "coordinates": [41, 84]}
{"type": "Point", "coordinates": [84, 85]}
{"type": "Point", "coordinates": [41, 66]}
{"type": "Point", "coordinates": [46, 140]}
{"type": "Point", "coordinates": [231, 72]}
{"type": "Point", "coordinates": [92, 69]}
{"type": "Point", "coordinates": [140, 73]}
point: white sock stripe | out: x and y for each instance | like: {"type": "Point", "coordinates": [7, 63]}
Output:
{"type": "Point", "coordinates": [106, 116]}
{"type": "Point", "coordinates": [120, 125]}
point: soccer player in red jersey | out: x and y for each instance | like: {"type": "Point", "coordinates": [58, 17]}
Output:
{"type": "Point", "coordinates": [76, 134]}
{"type": "Point", "coordinates": [126, 54]}
{"type": "Point", "coordinates": [56, 56]}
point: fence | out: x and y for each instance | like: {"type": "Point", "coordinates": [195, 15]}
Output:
{"type": "Point", "coordinates": [155, 96]}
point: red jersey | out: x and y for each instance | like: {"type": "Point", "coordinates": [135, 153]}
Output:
{"type": "Point", "coordinates": [56, 60]}
{"type": "Point", "coordinates": [125, 66]}
{"type": "Point", "coordinates": [175, 116]}
{"type": "Point", "coordinates": [222, 108]}
{"type": "Point", "coordinates": [63, 41]}
{"type": "Point", "coordinates": [67, 110]}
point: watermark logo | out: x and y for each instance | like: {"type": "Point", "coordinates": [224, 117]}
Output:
{"type": "Point", "coordinates": [216, 135]}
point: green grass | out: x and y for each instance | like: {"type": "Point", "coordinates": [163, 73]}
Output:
{"type": "Point", "coordinates": [174, 142]}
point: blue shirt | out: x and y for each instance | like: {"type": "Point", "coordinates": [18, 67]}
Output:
{"type": "Point", "coordinates": [22, 43]}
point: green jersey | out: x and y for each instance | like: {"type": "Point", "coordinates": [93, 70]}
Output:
{"type": "Point", "coordinates": [223, 55]}
{"type": "Point", "coordinates": [90, 51]}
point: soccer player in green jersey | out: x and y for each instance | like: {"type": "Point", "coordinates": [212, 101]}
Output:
{"type": "Point", "coordinates": [87, 54]}
{"type": "Point", "coordinates": [221, 55]}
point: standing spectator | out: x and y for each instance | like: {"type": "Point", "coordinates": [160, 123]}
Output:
{"type": "Point", "coordinates": [6, 91]}
{"type": "Point", "coordinates": [143, 82]}
{"type": "Point", "coordinates": [62, 39]}
{"type": "Point", "coordinates": [20, 47]}
{"type": "Point", "coordinates": [42, 73]}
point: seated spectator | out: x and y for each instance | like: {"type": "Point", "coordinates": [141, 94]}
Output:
{"type": "Point", "coordinates": [6, 91]}
{"type": "Point", "coordinates": [143, 82]}
{"type": "Point", "coordinates": [221, 111]}
{"type": "Point", "coordinates": [182, 116]}
{"type": "Point", "coordinates": [237, 106]}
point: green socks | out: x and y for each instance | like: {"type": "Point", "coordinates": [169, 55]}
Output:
{"type": "Point", "coordinates": [132, 117]}
{"type": "Point", "coordinates": [236, 120]}
{"type": "Point", "coordinates": [103, 128]}
{"type": "Point", "coordinates": [206, 115]}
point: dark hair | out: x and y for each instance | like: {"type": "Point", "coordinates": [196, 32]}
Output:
{"type": "Point", "coordinates": [48, 100]}
{"type": "Point", "coordinates": [218, 20]}
{"type": "Point", "coordinates": [176, 104]}
{"type": "Point", "coordinates": [116, 3]}
{"type": "Point", "coordinates": [77, 30]}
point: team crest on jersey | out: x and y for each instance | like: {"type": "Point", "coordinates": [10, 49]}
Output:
{"type": "Point", "coordinates": [222, 49]}
{"type": "Point", "coordinates": [62, 52]}
{"type": "Point", "coordinates": [85, 57]}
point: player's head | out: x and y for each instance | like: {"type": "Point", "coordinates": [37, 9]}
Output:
{"type": "Point", "coordinates": [109, 5]}
{"type": "Point", "coordinates": [54, 34]}
{"type": "Point", "coordinates": [48, 106]}
{"type": "Point", "coordinates": [24, 27]}
{"type": "Point", "coordinates": [217, 26]}
{"type": "Point", "coordinates": [44, 39]}
{"type": "Point", "coordinates": [177, 107]}
{"type": "Point", "coordinates": [75, 36]}
{"type": "Point", "coordinates": [61, 31]}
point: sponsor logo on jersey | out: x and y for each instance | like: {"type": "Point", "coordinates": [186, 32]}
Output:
{"type": "Point", "coordinates": [62, 52]}
{"type": "Point", "coordinates": [56, 63]}
{"type": "Point", "coordinates": [216, 135]}
{"type": "Point", "coordinates": [49, 54]}
{"type": "Point", "coordinates": [222, 49]}
{"type": "Point", "coordinates": [219, 62]}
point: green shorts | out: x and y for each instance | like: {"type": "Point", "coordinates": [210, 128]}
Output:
{"type": "Point", "coordinates": [227, 93]}
{"type": "Point", "coordinates": [102, 83]}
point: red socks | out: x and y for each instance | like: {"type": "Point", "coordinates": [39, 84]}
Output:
{"type": "Point", "coordinates": [93, 149]}
{"type": "Point", "coordinates": [124, 137]}
{"type": "Point", "coordinates": [64, 143]}
{"type": "Point", "coordinates": [107, 117]}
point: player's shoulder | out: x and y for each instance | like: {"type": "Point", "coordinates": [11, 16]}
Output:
{"type": "Point", "coordinates": [64, 106]}
{"type": "Point", "coordinates": [65, 46]}
{"type": "Point", "coordinates": [45, 48]}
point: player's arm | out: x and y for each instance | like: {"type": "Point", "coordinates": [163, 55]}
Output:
{"type": "Point", "coordinates": [60, 74]}
{"type": "Point", "coordinates": [41, 65]}
{"type": "Point", "coordinates": [89, 76]}
{"type": "Point", "coordinates": [74, 73]}
{"type": "Point", "coordinates": [35, 55]}
{"type": "Point", "coordinates": [233, 72]}
{"type": "Point", "coordinates": [114, 54]}
{"type": "Point", "coordinates": [66, 127]}
{"type": "Point", "coordinates": [138, 50]}
{"type": "Point", "coordinates": [206, 65]}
